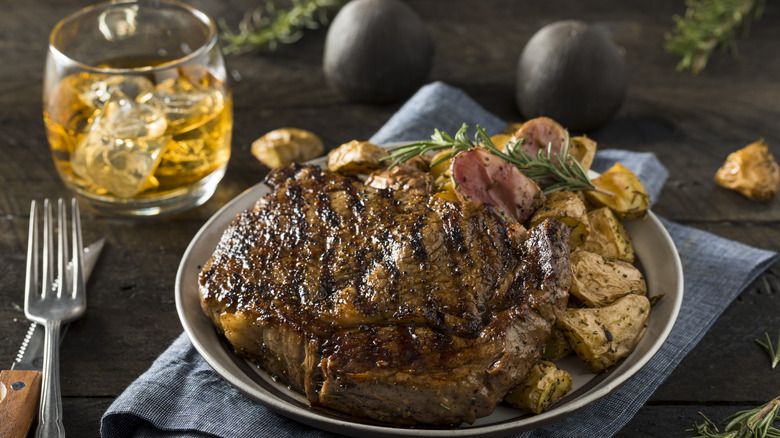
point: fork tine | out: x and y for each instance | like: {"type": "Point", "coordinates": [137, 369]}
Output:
{"type": "Point", "coordinates": [62, 249]}
{"type": "Point", "coordinates": [79, 289]}
{"type": "Point", "coordinates": [31, 282]}
{"type": "Point", "coordinates": [48, 250]}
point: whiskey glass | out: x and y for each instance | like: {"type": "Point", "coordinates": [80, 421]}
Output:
{"type": "Point", "coordinates": [137, 107]}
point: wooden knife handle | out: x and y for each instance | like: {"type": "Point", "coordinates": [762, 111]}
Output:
{"type": "Point", "coordinates": [19, 395]}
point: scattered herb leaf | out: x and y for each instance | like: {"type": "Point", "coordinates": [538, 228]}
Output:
{"type": "Point", "coordinates": [752, 423]}
{"type": "Point", "coordinates": [772, 351]}
{"type": "Point", "coordinates": [655, 299]}
{"type": "Point", "coordinates": [709, 25]}
{"type": "Point", "coordinates": [269, 26]}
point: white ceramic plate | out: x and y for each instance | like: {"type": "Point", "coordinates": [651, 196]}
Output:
{"type": "Point", "coordinates": [654, 248]}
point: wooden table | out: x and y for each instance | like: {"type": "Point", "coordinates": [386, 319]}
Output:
{"type": "Point", "coordinates": [691, 123]}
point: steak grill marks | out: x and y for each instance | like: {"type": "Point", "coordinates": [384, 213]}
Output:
{"type": "Point", "coordinates": [384, 304]}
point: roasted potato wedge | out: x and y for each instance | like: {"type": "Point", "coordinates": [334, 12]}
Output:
{"type": "Point", "coordinates": [557, 346]}
{"type": "Point", "coordinates": [598, 281]}
{"type": "Point", "coordinates": [499, 140]}
{"type": "Point", "coordinates": [629, 198]}
{"type": "Point", "coordinates": [608, 237]}
{"type": "Point", "coordinates": [545, 384]}
{"type": "Point", "coordinates": [751, 171]}
{"type": "Point", "coordinates": [441, 168]}
{"type": "Point", "coordinates": [601, 337]}
{"type": "Point", "coordinates": [583, 150]}
{"type": "Point", "coordinates": [284, 146]}
{"type": "Point", "coordinates": [356, 157]}
{"type": "Point", "coordinates": [569, 209]}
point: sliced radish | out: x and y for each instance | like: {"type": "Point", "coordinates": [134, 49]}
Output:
{"type": "Point", "coordinates": [480, 176]}
{"type": "Point", "coordinates": [539, 133]}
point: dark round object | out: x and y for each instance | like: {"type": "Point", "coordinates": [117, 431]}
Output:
{"type": "Point", "coordinates": [572, 73]}
{"type": "Point", "coordinates": [377, 51]}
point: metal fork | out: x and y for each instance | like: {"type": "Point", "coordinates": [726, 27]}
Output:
{"type": "Point", "coordinates": [53, 302]}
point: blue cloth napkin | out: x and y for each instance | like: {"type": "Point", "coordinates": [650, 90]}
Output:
{"type": "Point", "coordinates": [181, 396]}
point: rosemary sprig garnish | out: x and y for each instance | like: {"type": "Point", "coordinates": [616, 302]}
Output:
{"type": "Point", "coordinates": [772, 351]}
{"type": "Point", "coordinates": [550, 170]}
{"type": "Point", "coordinates": [708, 25]}
{"type": "Point", "coordinates": [269, 26]}
{"type": "Point", "coordinates": [439, 141]}
{"type": "Point", "coordinates": [752, 423]}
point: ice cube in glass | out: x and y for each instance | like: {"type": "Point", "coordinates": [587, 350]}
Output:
{"type": "Point", "coordinates": [123, 146]}
{"type": "Point", "coordinates": [100, 91]}
{"type": "Point", "coordinates": [186, 104]}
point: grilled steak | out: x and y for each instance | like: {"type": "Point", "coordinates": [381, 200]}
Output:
{"type": "Point", "coordinates": [397, 307]}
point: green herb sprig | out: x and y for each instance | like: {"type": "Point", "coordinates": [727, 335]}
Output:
{"type": "Point", "coordinates": [268, 27]}
{"type": "Point", "coordinates": [550, 170]}
{"type": "Point", "coordinates": [439, 141]}
{"type": "Point", "coordinates": [772, 351]}
{"type": "Point", "coordinates": [708, 25]}
{"type": "Point", "coordinates": [751, 423]}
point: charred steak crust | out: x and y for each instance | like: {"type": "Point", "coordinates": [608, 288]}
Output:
{"type": "Point", "coordinates": [381, 304]}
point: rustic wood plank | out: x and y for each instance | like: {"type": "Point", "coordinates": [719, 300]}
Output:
{"type": "Point", "coordinates": [76, 411]}
{"type": "Point", "coordinates": [674, 419]}
{"type": "Point", "coordinates": [691, 123]}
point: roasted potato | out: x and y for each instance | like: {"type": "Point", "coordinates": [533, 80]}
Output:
{"type": "Point", "coordinates": [444, 184]}
{"type": "Point", "coordinates": [356, 157]}
{"type": "Point", "coordinates": [751, 171]}
{"type": "Point", "coordinates": [499, 140]}
{"type": "Point", "coordinates": [569, 209]}
{"type": "Point", "coordinates": [583, 150]}
{"type": "Point", "coordinates": [598, 281]}
{"type": "Point", "coordinates": [443, 176]}
{"type": "Point", "coordinates": [439, 167]}
{"type": "Point", "coordinates": [557, 346]}
{"type": "Point", "coordinates": [284, 146]}
{"type": "Point", "coordinates": [628, 199]}
{"type": "Point", "coordinates": [601, 337]}
{"type": "Point", "coordinates": [545, 384]}
{"type": "Point", "coordinates": [608, 237]}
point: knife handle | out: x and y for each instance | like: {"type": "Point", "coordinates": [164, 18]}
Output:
{"type": "Point", "coordinates": [19, 394]}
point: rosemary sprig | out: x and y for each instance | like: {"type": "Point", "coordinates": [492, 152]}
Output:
{"type": "Point", "coordinates": [269, 26]}
{"type": "Point", "coordinates": [550, 170]}
{"type": "Point", "coordinates": [708, 25]}
{"type": "Point", "coordinates": [752, 423]}
{"type": "Point", "coordinates": [439, 141]}
{"type": "Point", "coordinates": [773, 352]}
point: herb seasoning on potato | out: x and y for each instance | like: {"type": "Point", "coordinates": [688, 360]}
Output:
{"type": "Point", "coordinates": [601, 337]}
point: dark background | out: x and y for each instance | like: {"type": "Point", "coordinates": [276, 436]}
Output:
{"type": "Point", "coordinates": [691, 123]}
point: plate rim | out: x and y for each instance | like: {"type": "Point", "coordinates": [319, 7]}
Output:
{"type": "Point", "coordinates": [599, 391]}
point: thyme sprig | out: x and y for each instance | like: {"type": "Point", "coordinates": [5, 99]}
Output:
{"type": "Point", "coordinates": [751, 423]}
{"type": "Point", "coordinates": [772, 351]}
{"type": "Point", "coordinates": [708, 25]}
{"type": "Point", "coordinates": [268, 27]}
{"type": "Point", "coordinates": [550, 170]}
